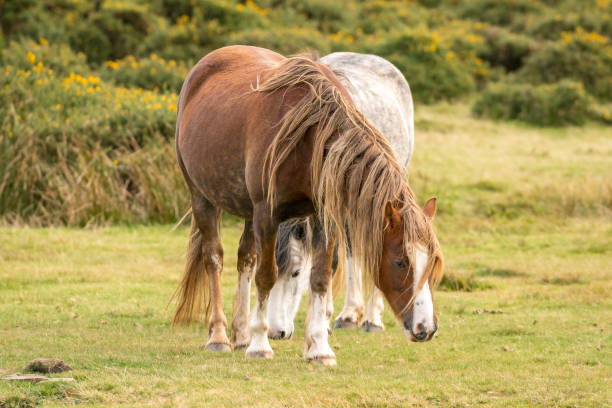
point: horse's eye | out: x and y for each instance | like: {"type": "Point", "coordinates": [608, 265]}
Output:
{"type": "Point", "coordinates": [402, 263]}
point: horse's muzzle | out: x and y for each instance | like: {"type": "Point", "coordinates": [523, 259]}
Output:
{"type": "Point", "coordinates": [421, 333]}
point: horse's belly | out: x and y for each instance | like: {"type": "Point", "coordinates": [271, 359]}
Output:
{"type": "Point", "coordinates": [230, 195]}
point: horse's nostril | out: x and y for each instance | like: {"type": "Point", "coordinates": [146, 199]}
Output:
{"type": "Point", "coordinates": [421, 332]}
{"type": "Point", "coordinates": [282, 334]}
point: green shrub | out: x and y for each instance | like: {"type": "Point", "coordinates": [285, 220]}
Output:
{"type": "Point", "coordinates": [115, 31]}
{"type": "Point", "coordinates": [283, 40]}
{"type": "Point", "coordinates": [330, 16]}
{"type": "Point", "coordinates": [503, 48]}
{"type": "Point", "coordinates": [563, 103]}
{"type": "Point", "coordinates": [14, 13]}
{"type": "Point", "coordinates": [580, 56]}
{"type": "Point", "coordinates": [380, 16]}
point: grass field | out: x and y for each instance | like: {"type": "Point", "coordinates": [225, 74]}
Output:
{"type": "Point", "coordinates": [524, 221]}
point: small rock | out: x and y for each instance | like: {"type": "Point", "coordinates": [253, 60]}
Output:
{"type": "Point", "coordinates": [138, 325]}
{"type": "Point", "coordinates": [47, 365]}
{"type": "Point", "coordinates": [506, 348]}
{"type": "Point", "coordinates": [74, 315]}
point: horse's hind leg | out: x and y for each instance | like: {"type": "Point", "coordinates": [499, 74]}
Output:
{"type": "Point", "coordinates": [207, 220]}
{"type": "Point", "coordinates": [246, 263]}
{"type": "Point", "coordinates": [374, 310]}
{"type": "Point", "coordinates": [317, 322]}
{"type": "Point", "coordinates": [352, 312]}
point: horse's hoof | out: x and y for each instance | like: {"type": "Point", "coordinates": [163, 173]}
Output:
{"type": "Point", "coordinates": [218, 347]}
{"type": "Point", "coordinates": [324, 360]}
{"type": "Point", "coordinates": [345, 323]}
{"type": "Point", "coordinates": [368, 327]}
{"type": "Point", "coordinates": [279, 335]}
{"type": "Point", "coordinates": [260, 354]}
{"type": "Point", "coordinates": [241, 346]}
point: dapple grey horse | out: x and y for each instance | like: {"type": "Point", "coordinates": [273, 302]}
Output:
{"type": "Point", "coordinates": [382, 94]}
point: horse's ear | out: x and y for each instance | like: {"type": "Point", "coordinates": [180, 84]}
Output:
{"type": "Point", "coordinates": [430, 207]}
{"type": "Point", "coordinates": [391, 216]}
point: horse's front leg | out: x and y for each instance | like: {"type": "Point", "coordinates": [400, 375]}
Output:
{"type": "Point", "coordinates": [317, 322]}
{"type": "Point", "coordinates": [265, 229]}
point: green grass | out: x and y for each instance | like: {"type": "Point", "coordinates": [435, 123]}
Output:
{"type": "Point", "coordinates": [524, 222]}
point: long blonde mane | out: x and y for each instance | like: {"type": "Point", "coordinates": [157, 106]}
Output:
{"type": "Point", "coordinates": [354, 172]}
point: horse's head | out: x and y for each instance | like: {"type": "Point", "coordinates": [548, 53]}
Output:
{"type": "Point", "coordinates": [409, 269]}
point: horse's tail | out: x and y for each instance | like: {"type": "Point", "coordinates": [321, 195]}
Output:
{"type": "Point", "coordinates": [193, 290]}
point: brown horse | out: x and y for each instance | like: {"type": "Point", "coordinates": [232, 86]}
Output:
{"type": "Point", "coordinates": [269, 138]}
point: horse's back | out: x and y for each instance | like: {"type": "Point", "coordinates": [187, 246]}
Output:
{"type": "Point", "coordinates": [382, 94]}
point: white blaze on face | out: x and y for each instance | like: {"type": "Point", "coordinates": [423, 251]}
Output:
{"type": "Point", "coordinates": [423, 310]}
{"type": "Point", "coordinates": [277, 310]}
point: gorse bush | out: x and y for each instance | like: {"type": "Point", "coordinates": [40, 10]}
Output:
{"type": "Point", "coordinates": [500, 12]}
{"type": "Point", "coordinates": [149, 73]}
{"type": "Point", "coordinates": [72, 145]}
{"type": "Point", "coordinates": [58, 57]}
{"type": "Point", "coordinates": [440, 64]}
{"type": "Point", "coordinates": [592, 16]}
{"type": "Point", "coordinates": [551, 105]}
{"type": "Point", "coordinates": [580, 55]}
